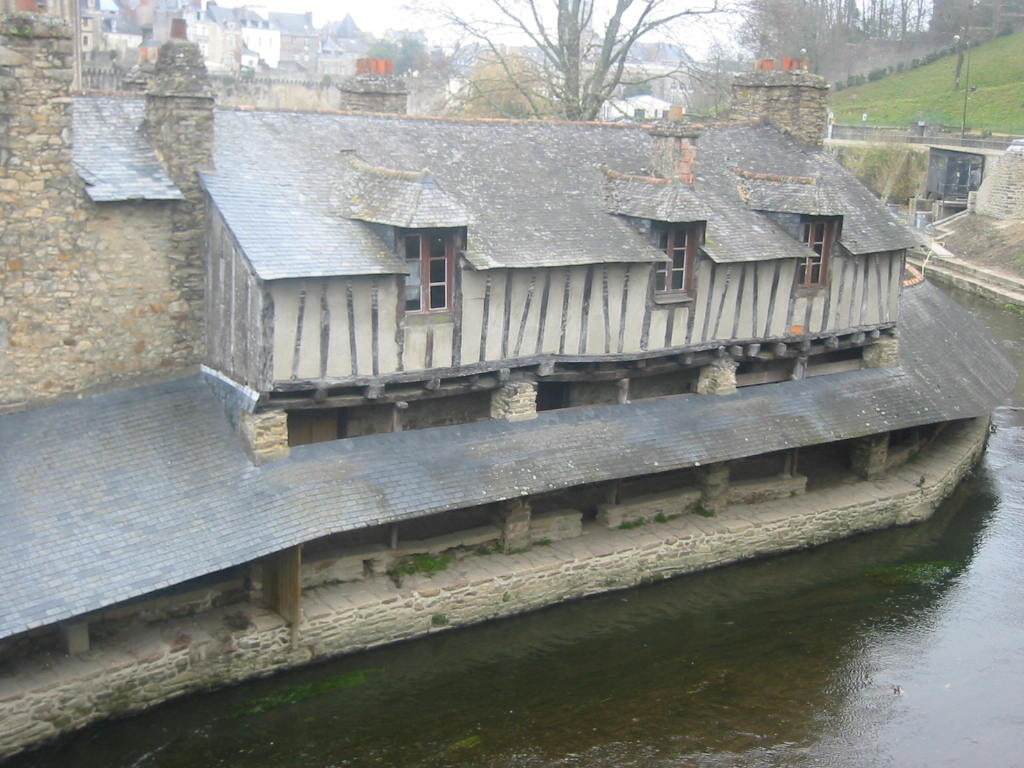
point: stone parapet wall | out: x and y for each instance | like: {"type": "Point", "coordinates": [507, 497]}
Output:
{"type": "Point", "coordinates": [57, 694]}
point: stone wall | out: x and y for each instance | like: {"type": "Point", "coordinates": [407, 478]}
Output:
{"type": "Point", "coordinates": [794, 102]}
{"type": "Point", "coordinates": [364, 93]}
{"type": "Point", "coordinates": [57, 694]}
{"type": "Point", "coordinates": [1001, 195]}
{"type": "Point", "coordinates": [88, 294]}
{"type": "Point", "coordinates": [268, 93]}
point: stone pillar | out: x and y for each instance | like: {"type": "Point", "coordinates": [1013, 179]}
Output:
{"type": "Point", "coordinates": [714, 487]}
{"type": "Point", "coordinates": [869, 454]}
{"type": "Point", "coordinates": [718, 378]}
{"type": "Point", "coordinates": [884, 353]}
{"type": "Point", "coordinates": [514, 519]}
{"type": "Point", "coordinates": [515, 401]}
{"type": "Point", "coordinates": [622, 391]}
{"type": "Point", "coordinates": [799, 368]}
{"type": "Point", "coordinates": [264, 435]}
{"type": "Point", "coordinates": [179, 124]}
{"type": "Point", "coordinates": [76, 637]}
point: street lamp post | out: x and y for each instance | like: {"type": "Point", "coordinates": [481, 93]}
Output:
{"type": "Point", "coordinates": [967, 90]}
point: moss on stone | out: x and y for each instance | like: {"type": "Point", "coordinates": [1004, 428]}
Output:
{"type": "Point", "coordinates": [913, 573]}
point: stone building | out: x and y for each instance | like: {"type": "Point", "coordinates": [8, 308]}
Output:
{"type": "Point", "coordinates": [423, 341]}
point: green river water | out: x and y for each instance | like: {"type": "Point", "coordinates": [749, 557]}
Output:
{"type": "Point", "coordinates": [901, 648]}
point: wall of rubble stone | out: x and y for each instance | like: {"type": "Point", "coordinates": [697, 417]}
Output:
{"type": "Point", "coordinates": [1002, 193]}
{"type": "Point", "coordinates": [794, 102]}
{"type": "Point", "coordinates": [157, 662]}
{"type": "Point", "coordinates": [87, 294]}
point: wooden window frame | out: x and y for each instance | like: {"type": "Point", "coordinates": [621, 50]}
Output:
{"type": "Point", "coordinates": [675, 278]}
{"type": "Point", "coordinates": [428, 284]}
{"type": "Point", "coordinates": [818, 234]}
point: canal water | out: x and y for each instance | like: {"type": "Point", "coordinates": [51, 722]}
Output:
{"type": "Point", "coordinates": [904, 647]}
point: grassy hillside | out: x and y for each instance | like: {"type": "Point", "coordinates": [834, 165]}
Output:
{"type": "Point", "coordinates": [926, 93]}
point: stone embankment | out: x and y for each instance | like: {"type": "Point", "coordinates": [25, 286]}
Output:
{"type": "Point", "coordinates": [945, 267]}
{"type": "Point", "coordinates": [49, 695]}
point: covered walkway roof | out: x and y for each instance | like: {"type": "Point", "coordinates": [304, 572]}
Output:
{"type": "Point", "coordinates": [121, 494]}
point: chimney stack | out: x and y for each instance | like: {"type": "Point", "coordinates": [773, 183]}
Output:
{"type": "Point", "coordinates": [179, 29]}
{"type": "Point", "coordinates": [374, 88]}
{"type": "Point", "coordinates": [179, 124]}
{"type": "Point", "coordinates": [792, 100]}
{"type": "Point", "coordinates": [674, 150]}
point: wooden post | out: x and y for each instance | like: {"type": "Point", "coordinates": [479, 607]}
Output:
{"type": "Point", "coordinates": [282, 583]}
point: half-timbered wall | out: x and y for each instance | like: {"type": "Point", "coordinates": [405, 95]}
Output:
{"type": "Point", "coordinates": [238, 322]}
{"type": "Point", "coordinates": [338, 327]}
{"type": "Point", "coordinates": [342, 328]}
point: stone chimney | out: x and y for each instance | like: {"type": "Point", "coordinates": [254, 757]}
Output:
{"type": "Point", "coordinates": [793, 101]}
{"type": "Point", "coordinates": [374, 88]}
{"type": "Point", "coordinates": [179, 124]}
{"type": "Point", "coordinates": [674, 150]}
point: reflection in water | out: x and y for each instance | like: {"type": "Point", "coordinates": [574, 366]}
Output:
{"type": "Point", "coordinates": [791, 660]}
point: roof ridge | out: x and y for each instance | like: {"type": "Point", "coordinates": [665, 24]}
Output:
{"type": "Point", "coordinates": [438, 118]}
{"type": "Point", "coordinates": [379, 170]}
{"type": "Point", "coordinates": [620, 176]}
{"type": "Point", "coordinates": [758, 176]}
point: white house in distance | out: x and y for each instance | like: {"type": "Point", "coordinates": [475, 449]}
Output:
{"type": "Point", "coordinates": [643, 107]}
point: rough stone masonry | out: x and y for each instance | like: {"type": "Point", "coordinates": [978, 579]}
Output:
{"type": "Point", "coordinates": [90, 293]}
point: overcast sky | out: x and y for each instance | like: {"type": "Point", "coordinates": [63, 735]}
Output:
{"type": "Point", "coordinates": [379, 16]}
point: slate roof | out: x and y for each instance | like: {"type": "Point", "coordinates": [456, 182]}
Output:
{"type": "Point", "coordinates": [532, 190]}
{"type": "Point", "coordinates": [397, 198]}
{"type": "Point", "coordinates": [535, 194]}
{"type": "Point", "coordinates": [117, 495]}
{"type": "Point", "coordinates": [296, 24]}
{"type": "Point", "coordinates": [112, 156]}
{"type": "Point", "coordinates": [646, 197]}
{"type": "Point", "coordinates": [786, 194]}
{"type": "Point", "coordinates": [765, 170]}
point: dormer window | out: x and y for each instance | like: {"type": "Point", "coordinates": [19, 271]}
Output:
{"type": "Point", "coordinates": [430, 257]}
{"type": "Point", "coordinates": [679, 243]}
{"type": "Point", "coordinates": [818, 235]}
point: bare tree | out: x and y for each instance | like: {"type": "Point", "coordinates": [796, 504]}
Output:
{"type": "Point", "coordinates": [581, 48]}
{"type": "Point", "coordinates": [490, 92]}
